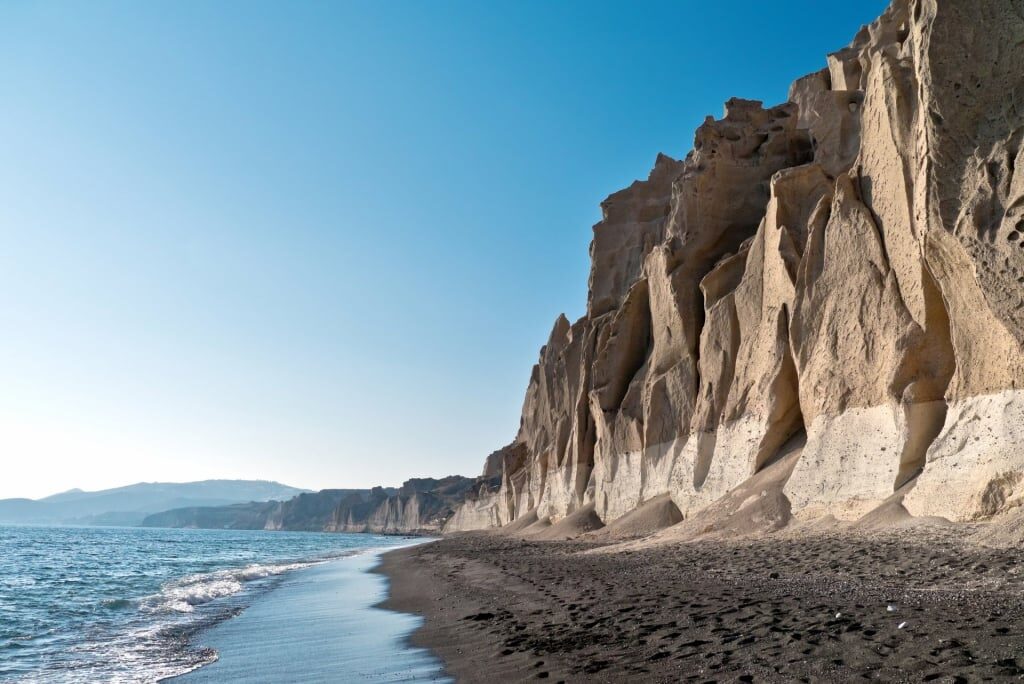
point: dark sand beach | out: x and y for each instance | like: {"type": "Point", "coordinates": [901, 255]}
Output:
{"type": "Point", "coordinates": [899, 605]}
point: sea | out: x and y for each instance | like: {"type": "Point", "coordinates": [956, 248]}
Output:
{"type": "Point", "coordinates": [103, 604]}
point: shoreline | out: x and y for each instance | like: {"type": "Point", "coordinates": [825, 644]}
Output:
{"type": "Point", "coordinates": [319, 623]}
{"type": "Point", "coordinates": [454, 614]}
{"type": "Point", "coordinates": [898, 605]}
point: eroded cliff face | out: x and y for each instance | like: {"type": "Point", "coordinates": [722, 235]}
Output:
{"type": "Point", "coordinates": [421, 505]}
{"type": "Point", "coordinates": [841, 274]}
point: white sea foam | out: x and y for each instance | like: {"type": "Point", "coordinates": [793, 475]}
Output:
{"type": "Point", "coordinates": [183, 595]}
{"type": "Point", "coordinates": [152, 591]}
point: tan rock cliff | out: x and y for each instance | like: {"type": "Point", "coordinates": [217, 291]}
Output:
{"type": "Point", "coordinates": [846, 269]}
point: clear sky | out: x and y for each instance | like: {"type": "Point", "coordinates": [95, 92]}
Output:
{"type": "Point", "coordinates": [322, 242]}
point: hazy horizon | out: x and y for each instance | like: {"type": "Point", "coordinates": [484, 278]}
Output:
{"type": "Point", "coordinates": [151, 482]}
{"type": "Point", "coordinates": [322, 244]}
{"type": "Point", "coordinates": [180, 482]}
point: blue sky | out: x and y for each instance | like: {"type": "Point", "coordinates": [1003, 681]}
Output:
{"type": "Point", "coordinates": [322, 242]}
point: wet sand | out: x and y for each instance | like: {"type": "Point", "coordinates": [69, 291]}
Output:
{"type": "Point", "coordinates": [319, 625]}
{"type": "Point", "coordinates": [812, 607]}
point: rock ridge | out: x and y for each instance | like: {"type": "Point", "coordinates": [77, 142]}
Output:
{"type": "Point", "coordinates": [845, 269]}
{"type": "Point", "coordinates": [419, 506]}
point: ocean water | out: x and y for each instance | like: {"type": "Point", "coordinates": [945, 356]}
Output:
{"type": "Point", "coordinates": [319, 626]}
{"type": "Point", "coordinates": [131, 604]}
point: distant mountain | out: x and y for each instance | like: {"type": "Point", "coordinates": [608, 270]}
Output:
{"type": "Point", "coordinates": [309, 511]}
{"type": "Point", "coordinates": [131, 504]}
{"type": "Point", "coordinates": [70, 495]}
{"type": "Point", "coordinates": [419, 505]}
{"type": "Point", "coordinates": [243, 516]}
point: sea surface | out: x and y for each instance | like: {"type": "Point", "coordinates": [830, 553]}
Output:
{"type": "Point", "coordinates": [319, 626]}
{"type": "Point", "coordinates": [133, 604]}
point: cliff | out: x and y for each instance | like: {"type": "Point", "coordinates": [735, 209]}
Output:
{"type": "Point", "coordinates": [419, 506]}
{"type": "Point", "coordinates": [837, 280]}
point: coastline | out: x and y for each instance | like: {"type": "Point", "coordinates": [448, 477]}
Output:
{"type": "Point", "coordinates": [428, 581]}
{"type": "Point", "coordinates": [320, 623]}
{"type": "Point", "coordinates": [898, 605]}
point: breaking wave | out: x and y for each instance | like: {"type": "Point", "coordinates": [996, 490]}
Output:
{"type": "Point", "coordinates": [122, 604]}
{"type": "Point", "coordinates": [183, 595]}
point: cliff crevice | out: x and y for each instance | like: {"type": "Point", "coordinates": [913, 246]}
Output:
{"type": "Point", "coordinates": [844, 270]}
